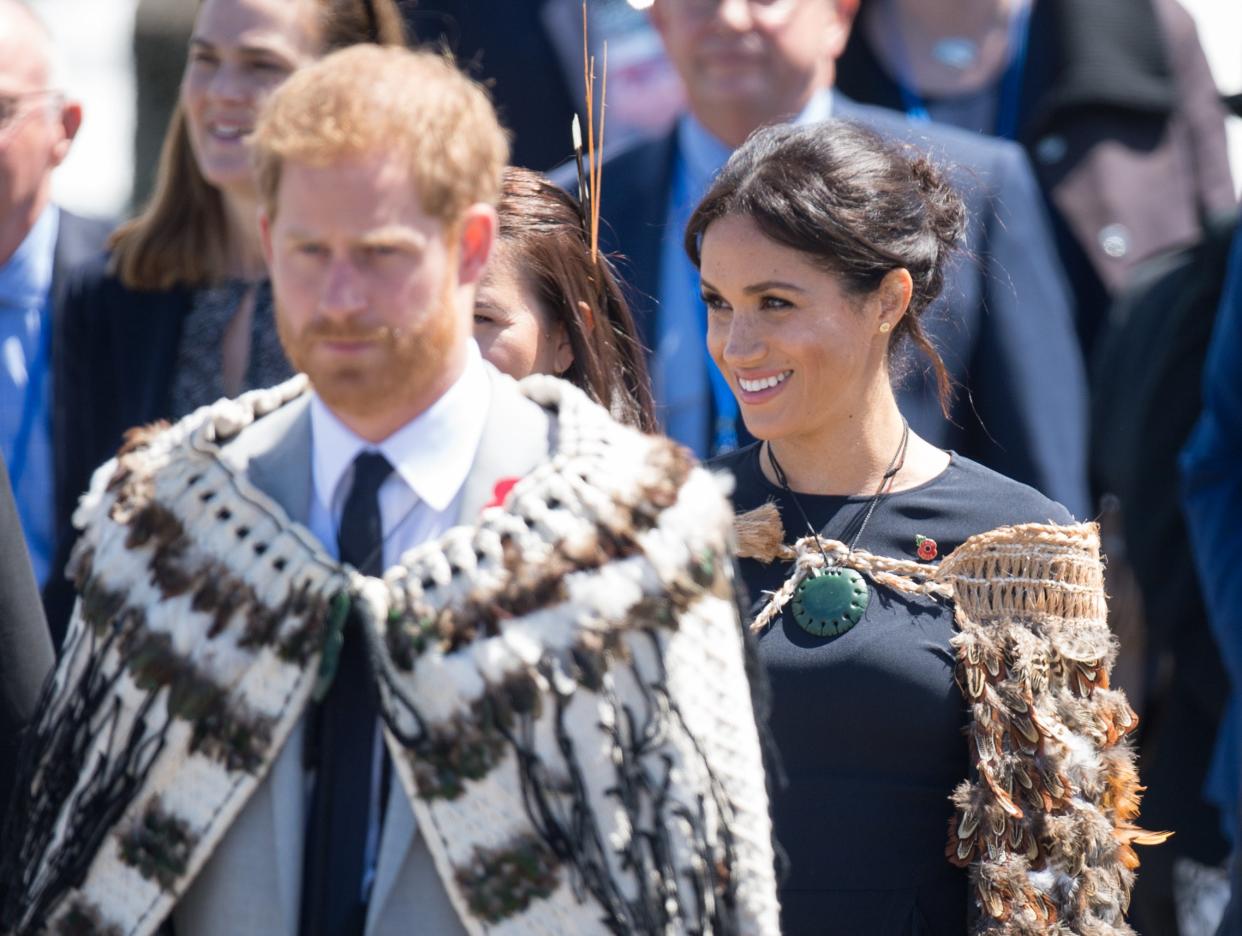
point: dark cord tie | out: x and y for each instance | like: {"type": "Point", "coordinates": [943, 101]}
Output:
{"type": "Point", "coordinates": [334, 862]}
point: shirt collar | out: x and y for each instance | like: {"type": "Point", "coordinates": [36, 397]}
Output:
{"type": "Point", "coordinates": [432, 453]}
{"type": "Point", "coordinates": [704, 155]}
{"type": "Point", "coordinates": [27, 275]}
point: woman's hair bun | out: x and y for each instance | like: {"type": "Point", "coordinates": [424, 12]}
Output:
{"type": "Point", "coordinates": [945, 209]}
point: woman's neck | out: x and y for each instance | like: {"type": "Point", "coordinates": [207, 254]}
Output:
{"type": "Point", "coordinates": [244, 256]}
{"type": "Point", "coordinates": [849, 456]}
{"type": "Point", "coordinates": [942, 48]}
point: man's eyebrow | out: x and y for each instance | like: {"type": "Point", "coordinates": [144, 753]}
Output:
{"type": "Point", "coordinates": [389, 235]}
{"type": "Point", "coordinates": [393, 235]}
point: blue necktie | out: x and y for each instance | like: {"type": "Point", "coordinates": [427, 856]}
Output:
{"type": "Point", "coordinates": [334, 862]}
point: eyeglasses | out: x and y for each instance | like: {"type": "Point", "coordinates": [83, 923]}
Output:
{"type": "Point", "coordinates": [13, 107]}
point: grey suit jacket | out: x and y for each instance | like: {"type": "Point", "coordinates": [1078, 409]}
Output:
{"type": "Point", "coordinates": [251, 886]}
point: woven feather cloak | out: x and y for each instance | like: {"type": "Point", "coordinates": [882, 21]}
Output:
{"type": "Point", "coordinates": [562, 684]}
{"type": "Point", "coordinates": [1045, 822]}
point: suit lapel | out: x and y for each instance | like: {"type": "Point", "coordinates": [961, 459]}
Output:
{"type": "Point", "coordinates": [77, 241]}
{"type": "Point", "coordinates": [276, 455]}
{"type": "Point", "coordinates": [395, 840]}
{"type": "Point", "coordinates": [637, 225]}
{"type": "Point", "coordinates": [515, 440]}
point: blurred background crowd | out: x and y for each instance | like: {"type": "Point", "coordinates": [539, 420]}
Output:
{"type": "Point", "coordinates": [1093, 330]}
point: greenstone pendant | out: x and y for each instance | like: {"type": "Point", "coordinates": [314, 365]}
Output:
{"type": "Point", "coordinates": [830, 602]}
{"type": "Point", "coordinates": [334, 639]}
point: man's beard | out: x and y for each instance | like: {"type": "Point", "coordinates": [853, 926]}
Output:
{"type": "Point", "coordinates": [395, 372]}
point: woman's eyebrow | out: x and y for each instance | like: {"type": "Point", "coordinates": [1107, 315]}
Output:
{"type": "Point", "coordinates": [771, 284]}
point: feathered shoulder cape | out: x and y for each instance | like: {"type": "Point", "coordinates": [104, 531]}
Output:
{"type": "Point", "coordinates": [562, 684]}
{"type": "Point", "coordinates": [1045, 821]}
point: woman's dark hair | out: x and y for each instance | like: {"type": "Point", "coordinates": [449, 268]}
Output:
{"type": "Point", "coordinates": [543, 227]}
{"type": "Point", "coordinates": [349, 22]}
{"type": "Point", "coordinates": [854, 203]}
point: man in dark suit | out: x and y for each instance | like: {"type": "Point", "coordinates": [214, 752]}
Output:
{"type": "Point", "coordinates": [1113, 101]}
{"type": "Point", "coordinates": [39, 243]}
{"type": "Point", "coordinates": [1004, 325]}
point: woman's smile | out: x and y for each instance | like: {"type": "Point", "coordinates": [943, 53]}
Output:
{"type": "Point", "coordinates": [758, 388]}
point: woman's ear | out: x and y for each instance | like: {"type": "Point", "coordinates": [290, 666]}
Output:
{"type": "Point", "coordinates": [894, 294]}
{"type": "Point", "coordinates": [563, 359]}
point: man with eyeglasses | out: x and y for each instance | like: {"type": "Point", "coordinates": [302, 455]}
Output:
{"type": "Point", "coordinates": [1004, 325]}
{"type": "Point", "coordinates": [39, 245]}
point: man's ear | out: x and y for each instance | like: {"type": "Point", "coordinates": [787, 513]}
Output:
{"type": "Point", "coordinates": [588, 316]}
{"type": "Point", "coordinates": [655, 13]}
{"type": "Point", "coordinates": [70, 123]}
{"type": "Point", "coordinates": [476, 237]}
{"type": "Point", "coordinates": [844, 12]}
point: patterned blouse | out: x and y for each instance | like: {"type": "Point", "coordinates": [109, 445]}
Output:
{"type": "Point", "coordinates": [199, 376]}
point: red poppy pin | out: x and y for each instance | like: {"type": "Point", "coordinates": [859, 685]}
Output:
{"type": "Point", "coordinates": [926, 547]}
{"type": "Point", "coordinates": [501, 491]}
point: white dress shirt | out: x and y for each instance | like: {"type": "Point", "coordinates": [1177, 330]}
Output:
{"type": "Point", "coordinates": [431, 456]}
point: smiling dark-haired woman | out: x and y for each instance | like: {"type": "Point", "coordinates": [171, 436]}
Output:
{"type": "Point", "coordinates": [938, 651]}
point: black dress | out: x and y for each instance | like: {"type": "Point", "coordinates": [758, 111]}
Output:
{"type": "Point", "coordinates": [869, 725]}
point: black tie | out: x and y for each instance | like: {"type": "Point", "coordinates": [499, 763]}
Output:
{"type": "Point", "coordinates": [334, 863]}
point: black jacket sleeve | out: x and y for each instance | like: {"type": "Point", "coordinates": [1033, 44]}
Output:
{"type": "Point", "coordinates": [25, 647]}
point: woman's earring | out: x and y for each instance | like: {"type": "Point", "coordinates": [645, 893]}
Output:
{"type": "Point", "coordinates": [885, 327]}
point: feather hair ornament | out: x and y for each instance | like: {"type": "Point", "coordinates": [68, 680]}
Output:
{"type": "Point", "coordinates": [589, 177]}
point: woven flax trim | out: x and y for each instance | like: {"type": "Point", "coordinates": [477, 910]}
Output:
{"type": "Point", "coordinates": [1029, 569]}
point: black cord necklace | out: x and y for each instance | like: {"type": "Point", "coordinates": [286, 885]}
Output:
{"type": "Point", "coordinates": [831, 600]}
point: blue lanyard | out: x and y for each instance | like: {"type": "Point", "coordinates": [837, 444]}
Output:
{"type": "Point", "coordinates": [724, 429]}
{"type": "Point", "coordinates": [32, 402]}
{"type": "Point", "coordinates": [1011, 83]}
{"type": "Point", "coordinates": [725, 413]}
